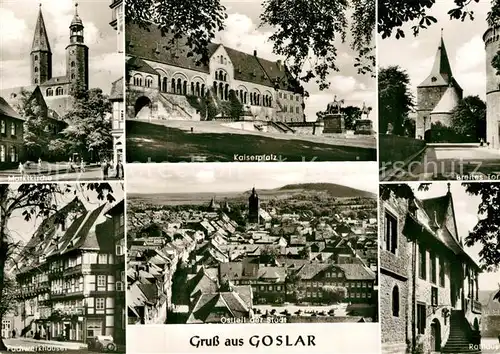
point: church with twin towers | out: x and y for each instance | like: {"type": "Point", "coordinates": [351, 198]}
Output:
{"type": "Point", "coordinates": [77, 59]}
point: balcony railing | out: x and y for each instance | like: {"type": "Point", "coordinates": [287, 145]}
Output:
{"type": "Point", "coordinates": [476, 307]}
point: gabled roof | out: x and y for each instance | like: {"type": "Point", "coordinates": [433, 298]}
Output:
{"type": "Point", "coordinates": [7, 110]}
{"type": "Point", "coordinates": [441, 74]}
{"type": "Point", "coordinates": [138, 64]}
{"type": "Point", "coordinates": [449, 101]}
{"type": "Point", "coordinates": [356, 272]}
{"type": "Point", "coordinates": [40, 38]}
{"type": "Point", "coordinates": [117, 90]}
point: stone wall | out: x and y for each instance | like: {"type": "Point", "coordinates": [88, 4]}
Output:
{"type": "Point", "coordinates": [492, 41]}
{"type": "Point", "coordinates": [490, 326]}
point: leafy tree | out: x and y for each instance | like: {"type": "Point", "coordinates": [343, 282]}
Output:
{"type": "Point", "coordinates": [310, 29]}
{"type": "Point", "coordinates": [445, 134]}
{"type": "Point", "coordinates": [89, 129]}
{"type": "Point", "coordinates": [409, 126]}
{"type": "Point", "coordinates": [351, 115]}
{"type": "Point", "coordinates": [394, 14]}
{"type": "Point", "coordinates": [8, 301]}
{"type": "Point", "coordinates": [395, 99]}
{"type": "Point", "coordinates": [334, 294]}
{"type": "Point", "coordinates": [270, 254]}
{"type": "Point", "coordinates": [34, 201]}
{"type": "Point", "coordinates": [305, 252]}
{"type": "Point", "coordinates": [196, 20]}
{"type": "Point", "coordinates": [469, 118]}
{"type": "Point", "coordinates": [37, 132]}
{"type": "Point", "coordinates": [235, 106]}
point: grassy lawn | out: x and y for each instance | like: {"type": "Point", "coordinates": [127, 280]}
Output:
{"type": "Point", "coordinates": [155, 143]}
{"type": "Point", "coordinates": [393, 148]}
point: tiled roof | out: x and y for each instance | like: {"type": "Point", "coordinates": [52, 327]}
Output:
{"type": "Point", "coordinates": [441, 74]}
{"type": "Point", "coordinates": [150, 291]}
{"type": "Point", "coordinates": [116, 90]}
{"type": "Point", "coordinates": [210, 308]}
{"type": "Point", "coordinates": [57, 80]}
{"type": "Point", "coordinates": [149, 44]}
{"type": "Point", "coordinates": [202, 283]}
{"type": "Point", "coordinates": [138, 64]}
{"type": "Point", "coordinates": [356, 272]}
{"type": "Point", "coordinates": [40, 38]}
{"type": "Point", "coordinates": [311, 270]}
{"type": "Point", "coordinates": [7, 110]}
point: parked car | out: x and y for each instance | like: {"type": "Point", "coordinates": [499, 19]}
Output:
{"type": "Point", "coordinates": [102, 344]}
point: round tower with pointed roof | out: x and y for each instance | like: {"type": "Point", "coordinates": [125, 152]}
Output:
{"type": "Point", "coordinates": [77, 53]}
{"type": "Point", "coordinates": [41, 55]}
{"type": "Point", "coordinates": [437, 95]}
{"type": "Point", "coordinates": [492, 45]}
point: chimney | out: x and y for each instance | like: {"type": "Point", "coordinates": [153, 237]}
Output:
{"type": "Point", "coordinates": [255, 52]}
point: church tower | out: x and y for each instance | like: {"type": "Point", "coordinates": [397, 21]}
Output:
{"type": "Point", "coordinates": [492, 44]}
{"type": "Point", "coordinates": [41, 56]}
{"type": "Point", "coordinates": [438, 90]}
{"type": "Point", "coordinates": [77, 54]}
{"type": "Point", "coordinates": [253, 207]}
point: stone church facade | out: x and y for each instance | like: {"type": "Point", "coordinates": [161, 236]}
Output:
{"type": "Point", "coordinates": [492, 44]}
{"type": "Point", "coordinates": [428, 283]}
{"type": "Point", "coordinates": [437, 95]}
{"type": "Point", "coordinates": [161, 77]}
{"type": "Point", "coordinates": [56, 91]}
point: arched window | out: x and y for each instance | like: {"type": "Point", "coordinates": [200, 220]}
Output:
{"type": "Point", "coordinates": [2, 127]}
{"type": "Point", "coordinates": [246, 98]}
{"type": "Point", "coordinates": [36, 69]}
{"type": "Point", "coordinates": [226, 92]}
{"type": "Point", "coordinates": [192, 88]}
{"type": "Point", "coordinates": [72, 64]}
{"type": "Point", "coordinates": [202, 90]}
{"type": "Point", "coordinates": [225, 77]}
{"type": "Point", "coordinates": [164, 84]}
{"type": "Point", "coordinates": [36, 57]}
{"type": "Point", "coordinates": [172, 86]}
{"type": "Point", "coordinates": [13, 154]}
{"type": "Point", "coordinates": [50, 92]}
{"type": "Point", "coordinates": [179, 86]}
{"type": "Point", "coordinates": [59, 91]}
{"type": "Point", "coordinates": [197, 89]}
{"type": "Point", "coordinates": [36, 81]}
{"type": "Point", "coordinates": [149, 81]}
{"type": "Point", "coordinates": [2, 153]}
{"type": "Point", "coordinates": [137, 80]}
{"type": "Point", "coordinates": [184, 88]}
{"type": "Point", "coordinates": [221, 91]}
{"type": "Point", "coordinates": [215, 88]}
{"type": "Point", "coordinates": [216, 75]}
{"type": "Point", "coordinates": [221, 59]}
{"type": "Point", "coordinates": [72, 76]}
{"type": "Point", "coordinates": [395, 301]}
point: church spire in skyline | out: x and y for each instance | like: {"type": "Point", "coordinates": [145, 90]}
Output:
{"type": "Point", "coordinates": [40, 37]}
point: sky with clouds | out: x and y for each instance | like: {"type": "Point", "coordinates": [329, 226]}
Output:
{"type": "Point", "coordinates": [18, 20]}
{"type": "Point", "coordinates": [466, 217]}
{"type": "Point", "coordinates": [238, 177]}
{"type": "Point", "coordinates": [22, 230]}
{"type": "Point", "coordinates": [463, 41]}
{"type": "Point", "coordinates": [243, 32]}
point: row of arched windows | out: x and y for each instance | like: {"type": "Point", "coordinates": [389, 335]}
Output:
{"type": "Point", "coordinates": [197, 88]}
{"type": "Point", "coordinates": [50, 91]}
{"type": "Point", "coordinates": [13, 154]}
{"type": "Point", "coordinates": [177, 86]}
{"type": "Point", "coordinates": [220, 75]}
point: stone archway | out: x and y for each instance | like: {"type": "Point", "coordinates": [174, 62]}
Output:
{"type": "Point", "coordinates": [142, 107]}
{"type": "Point", "coordinates": [435, 336]}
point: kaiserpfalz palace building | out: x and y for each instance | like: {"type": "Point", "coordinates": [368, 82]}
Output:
{"type": "Point", "coordinates": [161, 76]}
{"type": "Point", "coordinates": [429, 284]}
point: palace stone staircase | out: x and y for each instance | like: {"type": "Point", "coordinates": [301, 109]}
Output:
{"type": "Point", "coordinates": [460, 338]}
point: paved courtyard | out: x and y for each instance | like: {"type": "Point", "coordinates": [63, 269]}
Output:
{"type": "Point", "coordinates": [455, 162]}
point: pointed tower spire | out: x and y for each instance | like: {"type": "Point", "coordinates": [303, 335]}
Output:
{"type": "Point", "coordinates": [441, 74]}
{"type": "Point", "coordinates": [40, 38]}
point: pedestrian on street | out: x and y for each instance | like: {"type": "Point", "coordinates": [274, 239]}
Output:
{"type": "Point", "coordinates": [82, 166]}
{"type": "Point", "coordinates": [119, 170]}
{"type": "Point", "coordinates": [21, 169]}
{"type": "Point", "coordinates": [39, 164]}
{"type": "Point", "coordinates": [104, 168]}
